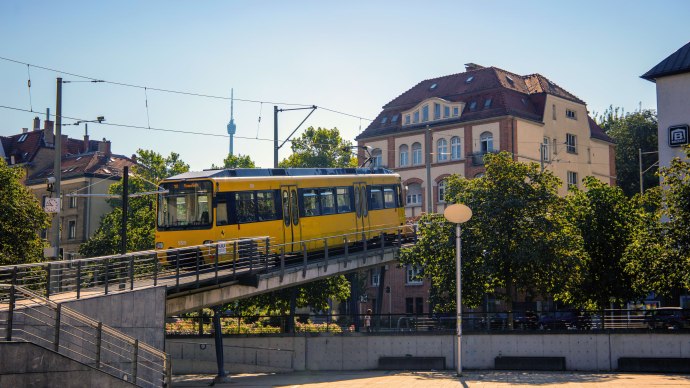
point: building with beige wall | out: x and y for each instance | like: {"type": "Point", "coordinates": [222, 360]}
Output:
{"type": "Point", "coordinates": [465, 116]}
{"type": "Point", "coordinates": [672, 78]}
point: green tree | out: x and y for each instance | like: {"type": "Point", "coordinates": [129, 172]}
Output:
{"type": "Point", "coordinates": [236, 161]}
{"type": "Point", "coordinates": [518, 239]}
{"type": "Point", "coordinates": [320, 147]}
{"type": "Point", "coordinates": [141, 216]}
{"type": "Point", "coordinates": [632, 132]}
{"type": "Point", "coordinates": [606, 220]}
{"type": "Point", "coordinates": [21, 217]}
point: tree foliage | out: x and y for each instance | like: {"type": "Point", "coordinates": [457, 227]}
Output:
{"type": "Point", "coordinates": [607, 220]}
{"type": "Point", "coordinates": [236, 161]}
{"type": "Point", "coordinates": [141, 215]}
{"type": "Point", "coordinates": [320, 147]}
{"type": "Point", "coordinates": [21, 217]}
{"type": "Point", "coordinates": [518, 239]}
{"type": "Point", "coordinates": [632, 132]}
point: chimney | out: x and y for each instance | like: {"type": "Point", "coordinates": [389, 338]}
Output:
{"type": "Point", "coordinates": [472, 66]}
{"type": "Point", "coordinates": [37, 123]}
{"type": "Point", "coordinates": [104, 147]}
{"type": "Point", "coordinates": [134, 158]}
{"type": "Point", "coordinates": [48, 136]}
{"type": "Point", "coordinates": [86, 138]}
{"type": "Point", "coordinates": [25, 130]}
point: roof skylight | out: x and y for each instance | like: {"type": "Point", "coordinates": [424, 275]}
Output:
{"type": "Point", "coordinates": [433, 86]}
{"type": "Point", "coordinates": [469, 79]}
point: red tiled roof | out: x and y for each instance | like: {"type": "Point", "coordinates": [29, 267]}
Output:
{"type": "Point", "coordinates": [25, 150]}
{"type": "Point", "coordinates": [511, 94]}
{"type": "Point", "coordinates": [596, 131]}
{"type": "Point", "coordinates": [89, 164]}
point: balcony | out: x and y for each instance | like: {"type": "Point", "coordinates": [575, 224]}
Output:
{"type": "Point", "coordinates": [477, 158]}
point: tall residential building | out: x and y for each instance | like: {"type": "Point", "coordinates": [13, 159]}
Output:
{"type": "Point", "coordinates": [87, 167]}
{"type": "Point", "coordinates": [470, 114]}
{"type": "Point", "coordinates": [672, 78]}
{"type": "Point", "coordinates": [232, 128]}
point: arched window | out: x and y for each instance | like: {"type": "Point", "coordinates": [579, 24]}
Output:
{"type": "Point", "coordinates": [441, 150]}
{"type": "Point", "coordinates": [404, 156]}
{"type": "Point", "coordinates": [414, 195]}
{"type": "Point", "coordinates": [442, 191]}
{"type": "Point", "coordinates": [376, 160]}
{"type": "Point", "coordinates": [416, 154]}
{"type": "Point", "coordinates": [486, 142]}
{"type": "Point", "coordinates": [455, 148]}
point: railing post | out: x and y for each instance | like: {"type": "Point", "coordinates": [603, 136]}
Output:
{"type": "Point", "coordinates": [383, 243]}
{"type": "Point", "coordinates": [234, 257]}
{"type": "Point", "coordinates": [347, 252]}
{"type": "Point", "coordinates": [105, 262]}
{"type": "Point", "coordinates": [10, 313]}
{"type": "Point", "coordinates": [14, 276]}
{"type": "Point", "coordinates": [251, 256]}
{"type": "Point", "coordinates": [131, 272]}
{"type": "Point", "coordinates": [177, 269]}
{"type": "Point", "coordinates": [304, 260]}
{"type": "Point", "coordinates": [48, 281]}
{"type": "Point", "coordinates": [135, 361]}
{"type": "Point", "coordinates": [282, 263]}
{"type": "Point", "coordinates": [168, 371]}
{"type": "Point", "coordinates": [325, 254]}
{"type": "Point", "coordinates": [399, 238]}
{"type": "Point", "coordinates": [155, 269]}
{"type": "Point", "coordinates": [268, 241]}
{"type": "Point", "coordinates": [56, 341]}
{"type": "Point", "coordinates": [78, 279]}
{"type": "Point", "coordinates": [99, 337]}
{"type": "Point", "coordinates": [215, 262]}
{"type": "Point", "coordinates": [196, 254]}
{"type": "Point", "coordinates": [364, 242]}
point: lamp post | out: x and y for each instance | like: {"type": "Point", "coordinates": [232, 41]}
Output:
{"type": "Point", "coordinates": [458, 214]}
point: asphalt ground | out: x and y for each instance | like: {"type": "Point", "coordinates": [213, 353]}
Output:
{"type": "Point", "coordinates": [440, 379]}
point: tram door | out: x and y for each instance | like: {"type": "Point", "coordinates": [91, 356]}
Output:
{"type": "Point", "coordinates": [361, 208]}
{"type": "Point", "coordinates": [292, 229]}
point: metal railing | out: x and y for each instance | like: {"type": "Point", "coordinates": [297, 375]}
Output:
{"type": "Point", "coordinates": [26, 316]}
{"type": "Point", "coordinates": [190, 267]}
{"type": "Point", "coordinates": [472, 322]}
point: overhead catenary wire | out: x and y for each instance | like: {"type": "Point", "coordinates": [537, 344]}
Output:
{"type": "Point", "coordinates": [172, 91]}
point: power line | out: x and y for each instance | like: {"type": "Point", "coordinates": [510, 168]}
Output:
{"type": "Point", "coordinates": [92, 79]}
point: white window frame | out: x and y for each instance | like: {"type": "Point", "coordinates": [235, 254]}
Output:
{"type": "Point", "coordinates": [72, 229]}
{"type": "Point", "coordinates": [571, 143]}
{"type": "Point", "coordinates": [455, 148]}
{"type": "Point", "coordinates": [404, 155]}
{"type": "Point", "coordinates": [414, 198]}
{"type": "Point", "coordinates": [442, 150]}
{"type": "Point", "coordinates": [411, 272]}
{"type": "Point", "coordinates": [375, 278]}
{"type": "Point", "coordinates": [571, 114]}
{"type": "Point", "coordinates": [437, 111]}
{"type": "Point", "coordinates": [425, 113]}
{"type": "Point", "coordinates": [377, 157]}
{"type": "Point", "coordinates": [442, 191]}
{"type": "Point", "coordinates": [72, 202]}
{"type": "Point", "coordinates": [416, 154]}
{"type": "Point", "coordinates": [545, 154]}
{"type": "Point", "coordinates": [486, 142]}
{"type": "Point", "coordinates": [572, 179]}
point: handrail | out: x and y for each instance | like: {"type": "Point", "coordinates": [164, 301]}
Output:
{"type": "Point", "coordinates": [98, 345]}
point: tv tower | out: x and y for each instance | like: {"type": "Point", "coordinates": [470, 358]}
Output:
{"type": "Point", "coordinates": [231, 125]}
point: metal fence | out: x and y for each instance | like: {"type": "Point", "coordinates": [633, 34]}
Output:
{"type": "Point", "coordinates": [26, 316]}
{"type": "Point", "coordinates": [472, 322]}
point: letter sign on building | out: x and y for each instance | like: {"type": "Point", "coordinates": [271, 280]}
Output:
{"type": "Point", "coordinates": [677, 135]}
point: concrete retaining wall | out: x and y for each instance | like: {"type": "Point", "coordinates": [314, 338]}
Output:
{"type": "Point", "coordinates": [587, 352]}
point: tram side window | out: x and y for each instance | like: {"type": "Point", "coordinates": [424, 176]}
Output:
{"type": "Point", "coordinates": [389, 197]}
{"type": "Point", "coordinates": [344, 199]}
{"type": "Point", "coordinates": [266, 205]}
{"type": "Point", "coordinates": [310, 198]}
{"type": "Point", "coordinates": [221, 209]}
{"type": "Point", "coordinates": [375, 198]}
{"type": "Point", "coordinates": [244, 207]}
{"type": "Point", "coordinates": [327, 201]}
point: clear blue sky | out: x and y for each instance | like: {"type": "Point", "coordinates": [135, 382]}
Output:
{"type": "Point", "coordinates": [350, 56]}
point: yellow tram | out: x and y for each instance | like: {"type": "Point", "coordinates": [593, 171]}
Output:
{"type": "Point", "coordinates": [287, 205]}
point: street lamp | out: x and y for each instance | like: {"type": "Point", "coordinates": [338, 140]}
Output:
{"type": "Point", "coordinates": [458, 214]}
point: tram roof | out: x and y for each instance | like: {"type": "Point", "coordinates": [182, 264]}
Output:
{"type": "Point", "coordinates": [265, 172]}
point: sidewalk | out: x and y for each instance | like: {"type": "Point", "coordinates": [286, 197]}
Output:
{"type": "Point", "coordinates": [442, 379]}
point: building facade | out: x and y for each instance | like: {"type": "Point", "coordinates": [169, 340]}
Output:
{"type": "Point", "coordinates": [87, 167]}
{"type": "Point", "coordinates": [445, 126]}
{"type": "Point", "coordinates": [672, 79]}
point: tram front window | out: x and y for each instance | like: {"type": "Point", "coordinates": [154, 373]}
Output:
{"type": "Point", "coordinates": [185, 206]}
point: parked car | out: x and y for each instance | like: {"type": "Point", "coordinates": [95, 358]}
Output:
{"type": "Point", "coordinates": [672, 318]}
{"type": "Point", "coordinates": [566, 319]}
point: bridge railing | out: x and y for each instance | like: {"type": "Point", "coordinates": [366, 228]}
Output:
{"type": "Point", "coordinates": [26, 316]}
{"type": "Point", "coordinates": [191, 266]}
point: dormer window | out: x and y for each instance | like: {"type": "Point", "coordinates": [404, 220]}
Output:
{"type": "Point", "coordinates": [446, 111]}
{"type": "Point", "coordinates": [416, 117]}
{"type": "Point", "coordinates": [425, 113]}
{"type": "Point", "coordinates": [437, 111]}
{"type": "Point", "coordinates": [473, 105]}
{"type": "Point", "coordinates": [430, 110]}
{"type": "Point", "coordinates": [407, 119]}
{"type": "Point", "coordinates": [384, 119]}
{"type": "Point", "coordinates": [456, 112]}
{"type": "Point", "coordinates": [394, 119]}
{"type": "Point", "coordinates": [487, 103]}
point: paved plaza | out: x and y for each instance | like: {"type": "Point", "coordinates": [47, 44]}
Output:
{"type": "Point", "coordinates": [444, 379]}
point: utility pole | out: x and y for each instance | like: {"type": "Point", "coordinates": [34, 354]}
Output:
{"type": "Point", "coordinates": [542, 151]}
{"type": "Point", "coordinates": [275, 136]}
{"type": "Point", "coordinates": [641, 181]}
{"type": "Point", "coordinates": [642, 172]}
{"type": "Point", "coordinates": [57, 167]}
{"type": "Point", "coordinates": [427, 157]}
{"type": "Point", "coordinates": [125, 206]}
